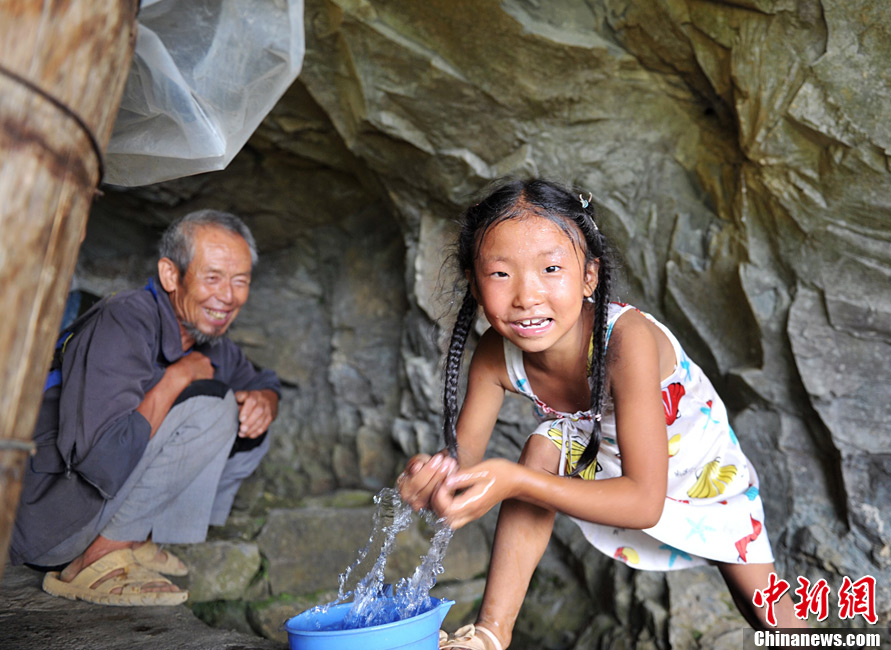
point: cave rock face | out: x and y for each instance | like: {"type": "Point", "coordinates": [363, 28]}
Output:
{"type": "Point", "coordinates": [738, 152]}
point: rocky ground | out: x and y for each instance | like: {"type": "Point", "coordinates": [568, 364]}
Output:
{"type": "Point", "coordinates": [274, 560]}
{"type": "Point", "coordinates": [244, 583]}
{"type": "Point", "coordinates": [33, 620]}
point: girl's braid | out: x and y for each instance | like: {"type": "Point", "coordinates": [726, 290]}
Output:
{"type": "Point", "coordinates": [452, 374]}
{"type": "Point", "coordinates": [598, 362]}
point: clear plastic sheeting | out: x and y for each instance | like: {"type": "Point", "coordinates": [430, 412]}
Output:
{"type": "Point", "coordinates": [204, 75]}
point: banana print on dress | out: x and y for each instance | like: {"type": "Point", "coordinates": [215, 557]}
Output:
{"type": "Point", "coordinates": [713, 480]}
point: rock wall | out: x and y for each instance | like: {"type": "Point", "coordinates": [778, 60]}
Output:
{"type": "Point", "coordinates": [739, 153]}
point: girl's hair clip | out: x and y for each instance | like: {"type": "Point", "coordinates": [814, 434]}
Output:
{"type": "Point", "coordinates": [585, 203]}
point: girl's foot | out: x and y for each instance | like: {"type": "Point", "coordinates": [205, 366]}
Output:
{"type": "Point", "coordinates": [469, 637]}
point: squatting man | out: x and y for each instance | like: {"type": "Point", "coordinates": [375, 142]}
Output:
{"type": "Point", "coordinates": [151, 418]}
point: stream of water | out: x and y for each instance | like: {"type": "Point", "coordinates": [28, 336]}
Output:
{"type": "Point", "coordinates": [377, 603]}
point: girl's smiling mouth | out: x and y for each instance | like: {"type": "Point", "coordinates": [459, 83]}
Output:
{"type": "Point", "coordinates": [532, 326]}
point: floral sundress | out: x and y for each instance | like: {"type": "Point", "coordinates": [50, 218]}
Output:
{"type": "Point", "coordinates": [713, 510]}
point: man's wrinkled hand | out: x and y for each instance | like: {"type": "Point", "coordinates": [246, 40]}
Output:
{"type": "Point", "coordinates": [195, 366]}
{"type": "Point", "coordinates": [256, 411]}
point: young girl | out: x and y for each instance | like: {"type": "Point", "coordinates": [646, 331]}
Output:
{"type": "Point", "coordinates": [634, 444]}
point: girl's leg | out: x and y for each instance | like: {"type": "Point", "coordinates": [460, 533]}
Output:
{"type": "Point", "coordinates": [521, 537]}
{"type": "Point", "coordinates": [744, 580]}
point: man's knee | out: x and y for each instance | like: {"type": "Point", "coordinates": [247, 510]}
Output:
{"type": "Point", "coordinates": [222, 408]}
{"type": "Point", "coordinates": [206, 408]}
{"type": "Point", "coordinates": [242, 462]}
{"type": "Point", "coordinates": [245, 445]}
{"type": "Point", "coordinates": [202, 387]}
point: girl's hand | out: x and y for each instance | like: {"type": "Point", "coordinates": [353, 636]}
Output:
{"type": "Point", "coordinates": [422, 476]}
{"type": "Point", "coordinates": [483, 485]}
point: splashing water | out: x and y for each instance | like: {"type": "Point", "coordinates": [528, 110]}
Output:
{"type": "Point", "coordinates": [375, 603]}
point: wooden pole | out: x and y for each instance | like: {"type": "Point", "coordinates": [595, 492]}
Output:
{"type": "Point", "coordinates": [63, 65]}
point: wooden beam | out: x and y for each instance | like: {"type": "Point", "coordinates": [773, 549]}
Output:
{"type": "Point", "coordinates": [63, 66]}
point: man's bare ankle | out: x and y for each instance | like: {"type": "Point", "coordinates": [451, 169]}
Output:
{"type": "Point", "coordinates": [74, 567]}
{"type": "Point", "coordinates": [94, 552]}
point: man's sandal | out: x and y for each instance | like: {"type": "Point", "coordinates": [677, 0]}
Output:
{"type": "Point", "coordinates": [131, 581]}
{"type": "Point", "coordinates": [469, 637]}
{"type": "Point", "coordinates": [147, 556]}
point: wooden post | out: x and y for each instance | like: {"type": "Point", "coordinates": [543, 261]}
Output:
{"type": "Point", "coordinates": [63, 65]}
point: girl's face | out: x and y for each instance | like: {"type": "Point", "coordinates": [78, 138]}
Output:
{"type": "Point", "coordinates": [531, 279]}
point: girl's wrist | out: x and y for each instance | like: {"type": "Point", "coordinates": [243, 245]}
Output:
{"type": "Point", "coordinates": [529, 485]}
{"type": "Point", "coordinates": [512, 477]}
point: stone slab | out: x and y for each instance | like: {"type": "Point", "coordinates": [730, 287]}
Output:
{"type": "Point", "coordinates": [33, 620]}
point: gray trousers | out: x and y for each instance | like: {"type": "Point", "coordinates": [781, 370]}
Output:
{"type": "Point", "coordinates": [184, 482]}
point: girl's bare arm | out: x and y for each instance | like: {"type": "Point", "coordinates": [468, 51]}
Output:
{"type": "Point", "coordinates": [485, 394]}
{"type": "Point", "coordinates": [633, 500]}
{"type": "Point", "coordinates": [486, 384]}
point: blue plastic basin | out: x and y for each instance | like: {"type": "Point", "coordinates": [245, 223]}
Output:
{"type": "Point", "coordinates": [419, 632]}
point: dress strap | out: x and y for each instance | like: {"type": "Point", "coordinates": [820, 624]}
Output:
{"type": "Point", "coordinates": [616, 309]}
{"type": "Point", "coordinates": [516, 372]}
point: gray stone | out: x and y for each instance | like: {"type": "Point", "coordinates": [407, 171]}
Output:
{"type": "Point", "coordinates": [33, 620]}
{"type": "Point", "coordinates": [467, 556]}
{"type": "Point", "coordinates": [340, 499]}
{"type": "Point", "coordinates": [557, 607]}
{"type": "Point", "coordinates": [466, 594]}
{"type": "Point", "coordinates": [850, 395]}
{"type": "Point", "coordinates": [307, 549]}
{"type": "Point", "coordinates": [702, 612]}
{"type": "Point", "coordinates": [268, 617]}
{"type": "Point", "coordinates": [225, 615]}
{"type": "Point", "coordinates": [219, 570]}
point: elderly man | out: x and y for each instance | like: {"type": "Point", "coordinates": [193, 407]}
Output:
{"type": "Point", "coordinates": [149, 423]}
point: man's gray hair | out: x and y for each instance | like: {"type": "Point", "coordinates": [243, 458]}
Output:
{"type": "Point", "coordinates": [178, 241]}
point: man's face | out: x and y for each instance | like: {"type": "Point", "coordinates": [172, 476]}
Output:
{"type": "Point", "coordinates": [208, 297]}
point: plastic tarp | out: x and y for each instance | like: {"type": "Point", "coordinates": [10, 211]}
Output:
{"type": "Point", "coordinates": [204, 75]}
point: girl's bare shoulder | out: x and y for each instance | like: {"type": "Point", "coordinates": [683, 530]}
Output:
{"type": "Point", "coordinates": [629, 325]}
{"type": "Point", "coordinates": [488, 359]}
{"type": "Point", "coordinates": [635, 339]}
